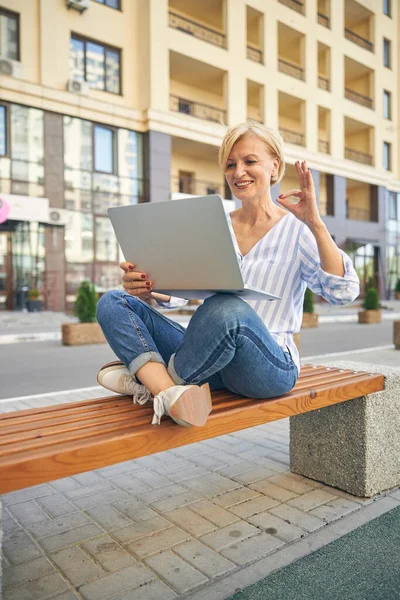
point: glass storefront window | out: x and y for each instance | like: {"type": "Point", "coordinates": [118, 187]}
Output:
{"type": "Point", "coordinates": [79, 238]}
{"type": "Point", "coordinates": [27, 134]}
{"type": "Point", "coordinates": [78, 144]}
{"type": "Point", "coordinates": [3, 130]}
{"type": "Point", "coordinates": [103, 149]}
{"type": "Point", "coordinates": [106, 242]}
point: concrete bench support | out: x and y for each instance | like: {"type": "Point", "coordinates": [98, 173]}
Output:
{"type": "Point", "coordinates": [354, 445]}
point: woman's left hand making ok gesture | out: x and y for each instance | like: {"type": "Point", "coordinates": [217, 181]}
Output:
{"type": "Point", "coordinates": [306, 210]}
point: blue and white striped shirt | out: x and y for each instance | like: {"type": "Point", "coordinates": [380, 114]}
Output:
{"type": "Point", "coordinates": [284, 262]}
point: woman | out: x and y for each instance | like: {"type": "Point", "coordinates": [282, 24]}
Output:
{"type": "Point", "coordinates": [246, 347]}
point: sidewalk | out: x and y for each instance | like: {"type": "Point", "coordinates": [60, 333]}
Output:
{"type": "Point", "coordinates": [198, 522]}
{"type": "Point", "coordinates": [32, 327]}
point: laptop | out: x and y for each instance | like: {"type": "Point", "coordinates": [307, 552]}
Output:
{"type": "Point", "coordinates": [185, 246]}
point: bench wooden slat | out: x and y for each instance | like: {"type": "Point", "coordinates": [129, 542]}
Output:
{"type": "Point", "coordinates": [93, 445]}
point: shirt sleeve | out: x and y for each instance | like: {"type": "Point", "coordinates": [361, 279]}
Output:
{"type": "Point", "coordinates": [172, 303]}
{"type": "Point", "coordinates": [334, 288]}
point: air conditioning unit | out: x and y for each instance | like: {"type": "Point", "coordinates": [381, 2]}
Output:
{"type": "Point", "coordinates": [78, 87]}
{"type": "Point", "coordinates": [58, 216]}
{"type": "Point", "coordinates": [13, 68]}
{"type": "Point", "coordinates": [80, 5]}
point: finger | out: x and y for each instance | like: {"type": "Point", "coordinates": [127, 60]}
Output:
{"type": "Point", "coordinates": [136, 289]}
{"type": "Point", "coordinates": [296, 193]}
{"type": "Point", "coordinates": [135, 276]}
{"type": "Point", "coordinates": [310, 180]}
{"type": "Point", "coordinates": [127, 266]}
{"type": "Point", "coordinates": [300, 173]}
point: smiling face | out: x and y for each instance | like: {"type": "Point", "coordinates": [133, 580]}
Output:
{"type": "Point", "coordinates": [249, 168]}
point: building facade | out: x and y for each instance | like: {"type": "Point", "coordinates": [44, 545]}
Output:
{"type": "Point", "coordinates": [111, 102]}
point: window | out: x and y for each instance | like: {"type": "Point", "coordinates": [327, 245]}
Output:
{"type": "Point", "coordinates": [111, 3]}
{"type": "Point", "coordinates": [392, 206]}
{"type": "Point", "coordinates": [103, 149]}
{"type": "Point", "coordinates": [387, 7]}
{"type": "Point", "coordinates": [3, 130]}
{"type": "Point", "coordinates": [387, 156]}
{"type": "Point", "coordinates": [9, 35]}
{"type": "Point", "coordinates": [387, 109]}
{"type": "Point", "coordinates": [95, 63]}
{"type": "Point", "coordinates": [386, 53]}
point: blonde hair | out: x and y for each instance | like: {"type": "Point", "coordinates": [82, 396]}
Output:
{"type": "Point", "coordinates": [272, 139]}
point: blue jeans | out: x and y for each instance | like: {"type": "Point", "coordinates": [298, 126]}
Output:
{"type": "Point", "coordinates": [225, 344]}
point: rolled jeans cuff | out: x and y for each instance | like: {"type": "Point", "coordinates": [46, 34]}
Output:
{"type": "Point", "coordinates": [143, 359]}
{"type": "Point", "coordinates": [172, 373]}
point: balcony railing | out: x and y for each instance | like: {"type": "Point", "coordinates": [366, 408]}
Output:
{"type": "Point", "coordinates": [359, 98]}
{"type": "Point", "coordinates": [323, 83]}
{"type": "Point", "coordinates": [291, 69]}
{"type": "Point", "coordinates": [357, 39]}
{"type": "Point", "coordinates": [196, 109]}
{"type": "Point", "coordinates": [295, 4]}
{"type": "Point", "coordinates": [324, 20]}
{"type": "Point", "coordinates": [292, 137]}
{"type": "Point", "coordinates": [196, 29]}
{"type": "Point", "coordinates": [357, 156]}
{"type": "Point", "coordinates": [254, 54]}
{"type": "Point", "coordinates": [323, 146]}
{"type": "Point", "coordinates": [197, 187]}
{"type": "Point", "coordinates": [358, 214]}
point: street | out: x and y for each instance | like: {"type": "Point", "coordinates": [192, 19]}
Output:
{"type": "Point", "coordinates": [40, 367]}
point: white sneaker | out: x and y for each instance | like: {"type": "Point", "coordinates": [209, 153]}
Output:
{"type": "Point", "coordinates": [185, 404]}
{"type": "Point", "coordinates": [116, 377]}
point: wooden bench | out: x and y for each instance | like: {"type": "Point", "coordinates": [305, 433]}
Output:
{"type": "Point", "coordinates": [41, 445]}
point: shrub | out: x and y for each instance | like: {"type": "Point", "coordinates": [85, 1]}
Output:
{"type": "Point", "coordinates": [33, 294]}
{"type": "Point", "coordinates": [371, 300]}
{"type": "Point", "coordinates": [370, 283]}
{"type": "Point", "coordinates": [397, 288]}
{"type": "Point", "coordinates": [308, 303]}
{"type": "Point", "coordinates": [86, 303]}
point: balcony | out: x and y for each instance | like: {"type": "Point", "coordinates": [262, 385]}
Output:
{"type": "Point", "coordinates": [255, 101]}
{"type": "Point", "coordinates": [295, 5]}
{"type": "Point", "coordinates": [358, 214]}
{"type": "Point", "coordinates": [197, 109]}
{"type": "Point", "coordinates": [198, 30]}
{"type": "Point", "coordinates": [324, 83]}
{"type": "Point", "coordinates": [292, 137]}
{"type": "Point", "coordinates": [254, 54]}
{"type": "Point", "coordinates": [324, 20]}
{"type": "Point", "coordinates": [359, 98]}
{"type": "Point", "coordinates": [357, 39]}
{"type": "Point", "coordinates": [357, 156]}
{"type": "Point", "coordinates": [323, 146]}
{"type": "Point", "coordinates": [187, 184]}
{"type": "Point", "coordinates": [290, 69]}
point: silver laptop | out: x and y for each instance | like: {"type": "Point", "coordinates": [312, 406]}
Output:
{"type": "Point", "coordinates": [185, 246]}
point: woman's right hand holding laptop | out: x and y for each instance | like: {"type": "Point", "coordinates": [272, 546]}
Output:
{"type": "Point", "coordinates": [137, 283]}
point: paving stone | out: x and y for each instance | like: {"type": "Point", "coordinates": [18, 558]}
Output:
{"type": "Point", "coordinates": [175, 501]}
{"type": "Point", "coordinates": [160, 493]}
{"type": "Point", "coordinates": [33, 569]}
{"type": "Point", "coordinates": [134, 509]}
{"type": "Point", "coordinates": [129, 466]}
{"type": "Point", "coordinates": [59, 525]}
{"type": "Point", "coordinates": [89, 490]}
{"type": "Point", "coordinates": [27, 494]}
{"type": "Point", "coordinates": [194, 471]}
{"type": "Point", "coordinates": [235, 497]}
{"type": "Point", "coordinates": [208, 461]}
{"type": "Point", "coordinates": [395, 494]}
{"type": "Point", "coordinates": [190, 521]}
{"type": "Point", "coordinates": [162, 540]}
{"type": "Point", "coordinates": [108, 497]}
{"type": "Point", "coordinates": [148, 462]}
{"type": "Point", "coordinates": [273, 465]}
{"type": "Point", "coordinates": [268, 488]}
{"type": "Point", "coordinates": [252, 507]}
{"type": "Point", "coordinates": [334, 509]}
{"type": "Point", "coordinates": [311, 500]}
{"type": "Point", "coordinates": [176, 572]}
{"type": "Point", "coordinates": [240, 467]}
{"type": "Point", "coordinates": [76, 565]}
{"type": "Point", "coordinates": [19, 548]}
{"type": "Point", "coordinates": [297, 517]}
{"type": "Point", "coordinates": [151, 479]}
{"type": "Point", "coordinates": [114, 585]}
{"type": "Point", "coordinates": [153, 590]}
{"type": "Point", "coordinates": [252, 549]}
{"type": "Point", "coordinates": [229, 535]}
{"type": "Point", "coordinates": [203, 488]}
{"type": "Point", "coordinates": [229, 458]}
{"type": "Point", "coordinates": [28, 513]}
{"type": "Point", "coordinates": [64, 485]}
{"type": "Point", "coordinates": [108, 553]}
{"type": "Point", "coordinates": [56, 505]}
{"type": "Point", "coordinates": [204, 559]}
{"type": "Point", "coordinates": [66, 538]}
{"type": "Point", "coordinates": [44, 587]}
{"type": "Point", "coordinates": [89, 478]}
{"type": "Point", "coordinates": [217, 515]}
{"type": "Point", "coordinates": [66, 596]}
{"type": "Point", "coordinates": [141, 529]}
{"type": "Point", "coordinates": [294, 483]}
{"type": "Point", "coordinates": [178, 464]}
{"type": "Point", "coordinates": [254, 475]}
{"type": "Point", "coordinates": [9, 524]}
{"type": "Point", "coordinates": [108, 517]}
{"type": "Point", "coordinates": [278, 527]}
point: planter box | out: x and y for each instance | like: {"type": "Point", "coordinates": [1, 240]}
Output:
{"type": "Point", "coordinates": [309, 320]}
{"type": "Point", "coordinates": [397, 296]}
{"type": "Point", "coordinates": [370, 316]}
{"type": "Point", "coordinates": [396, 334]}
{"type": "Point", "coordinates": [77, 334]}
{"type": "Point", "coordinates": [34, 305]}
